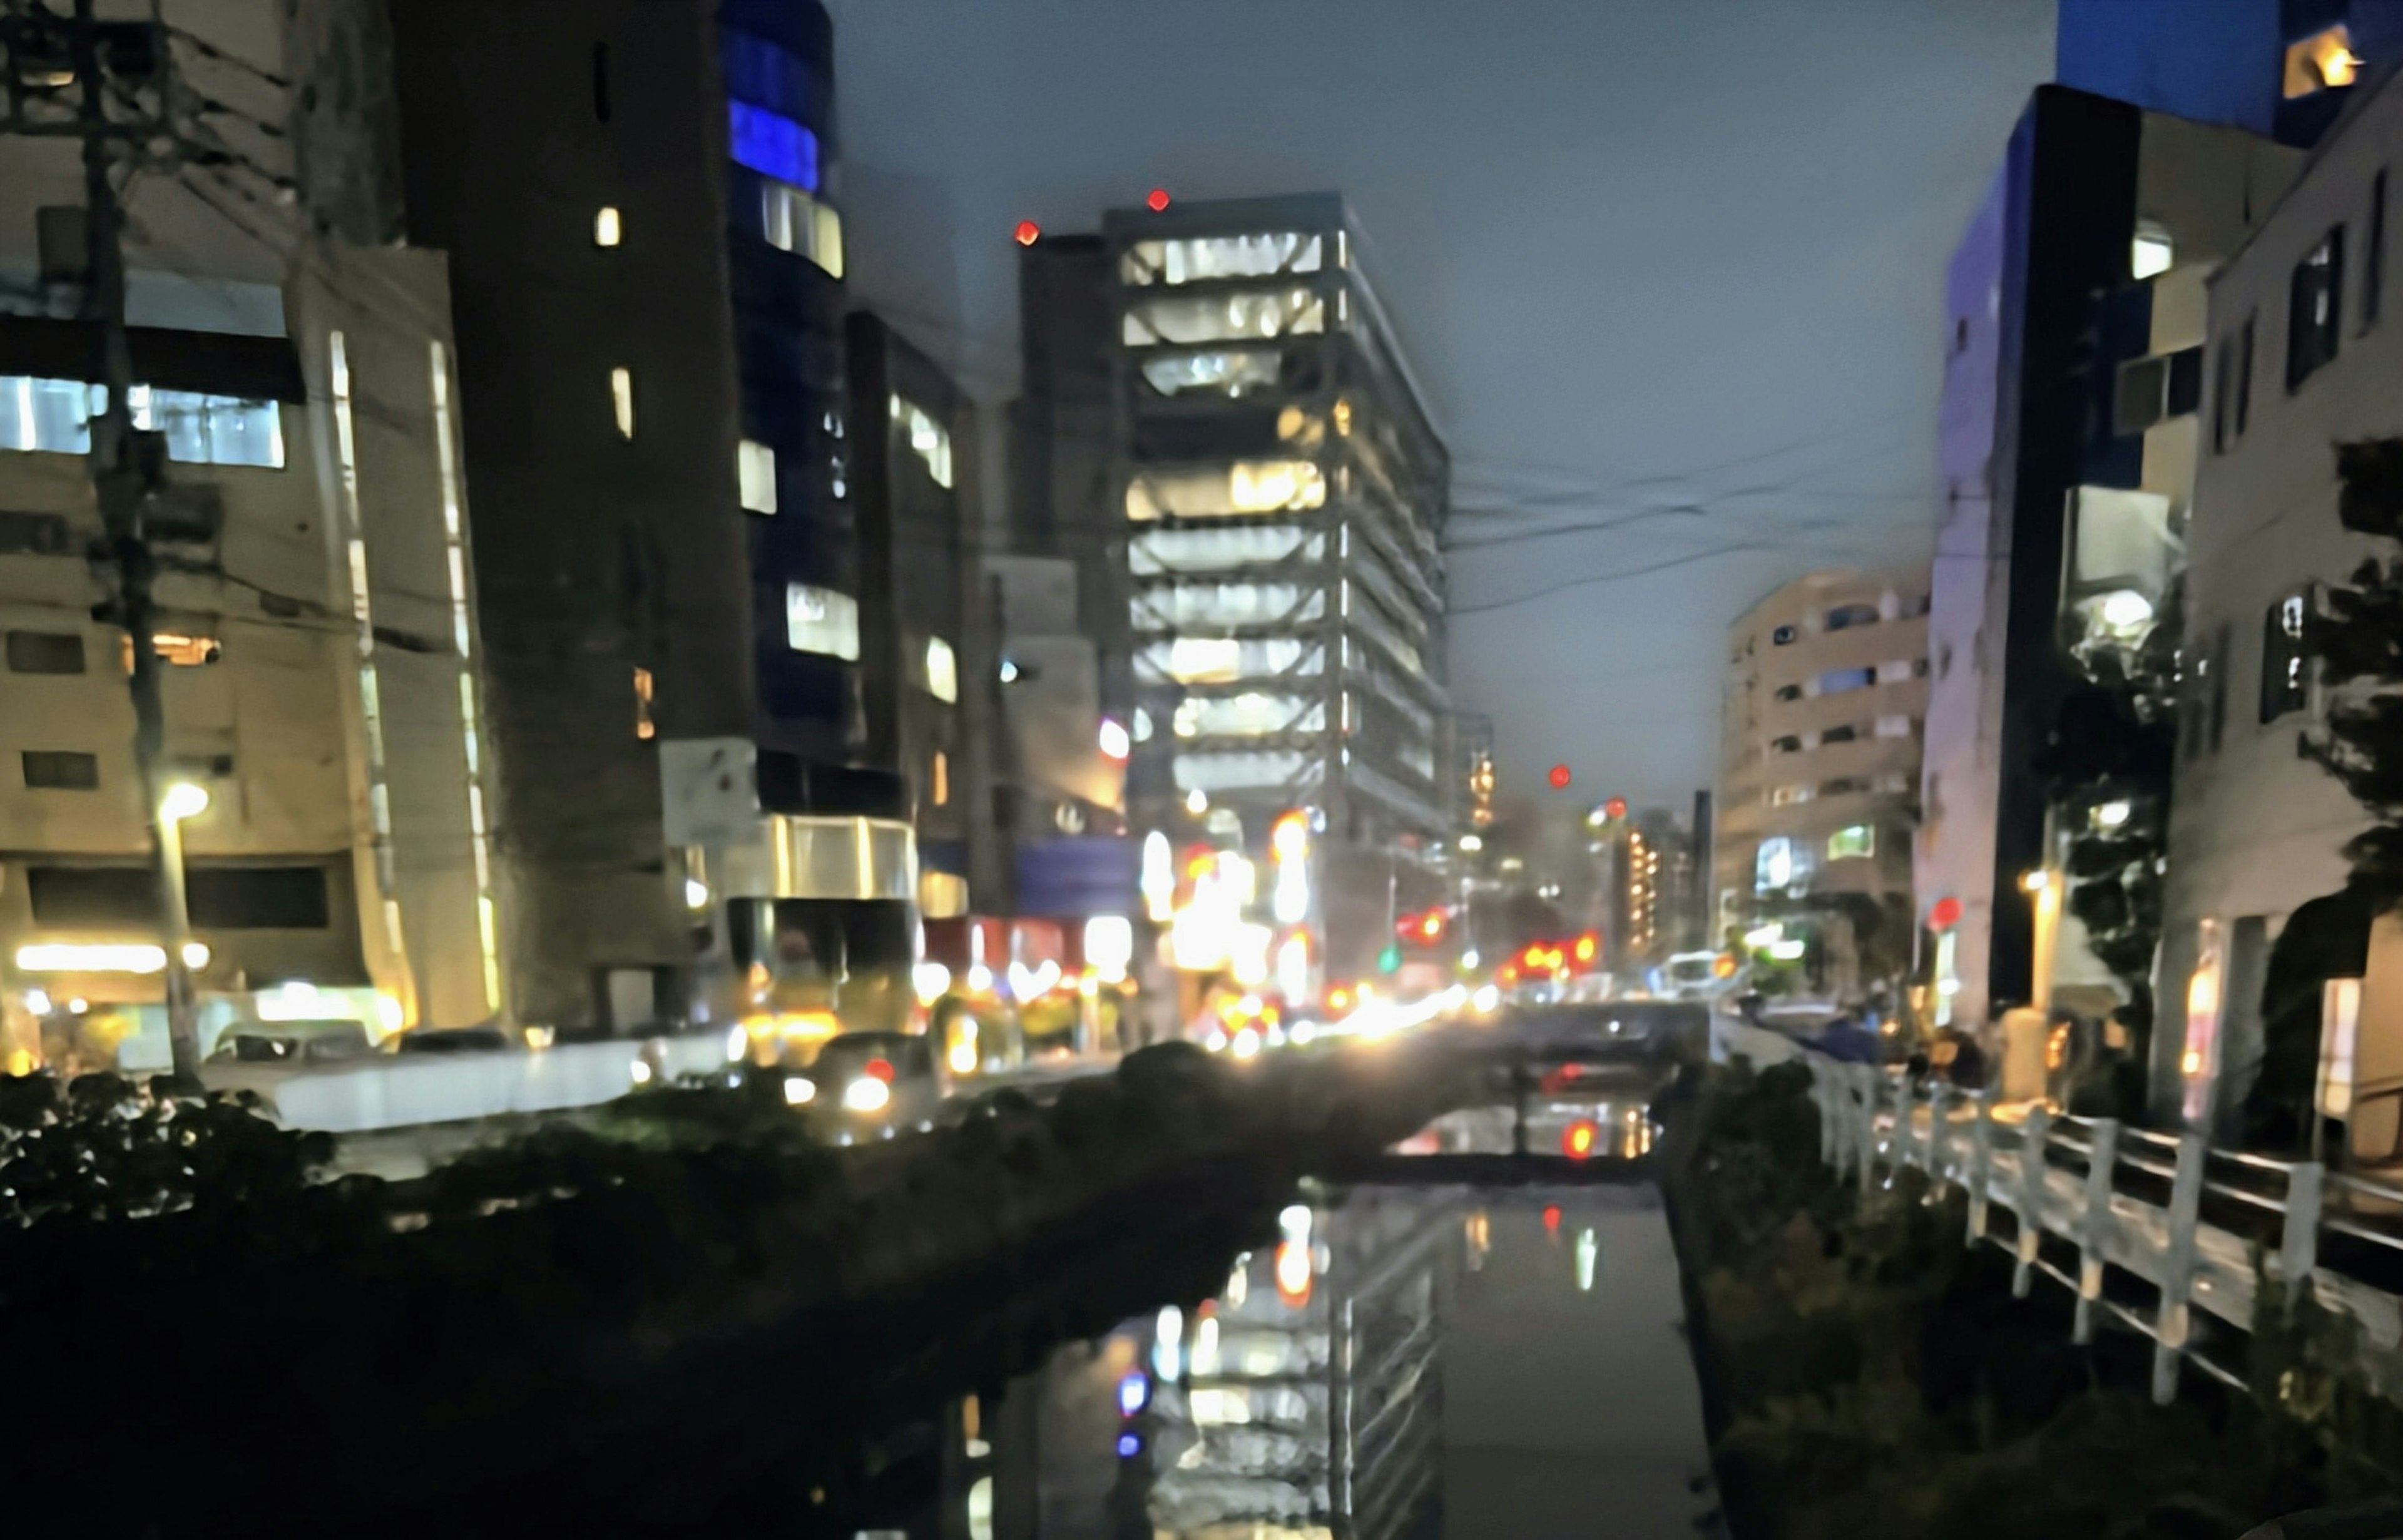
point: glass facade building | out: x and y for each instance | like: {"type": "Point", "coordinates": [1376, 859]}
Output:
{"type": "Point", "coordinates": [1282, 496]}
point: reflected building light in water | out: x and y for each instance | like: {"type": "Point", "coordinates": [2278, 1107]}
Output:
{"type": "Point", "coordinates": [1205, 1346]}
{"type": "Point", "coordinates": [1586, 1251]}
{"type": "Point", "coordinates": [1168, 1337]}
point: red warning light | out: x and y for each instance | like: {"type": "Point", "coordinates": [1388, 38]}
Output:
{"type": "Point", "coordinates": [1158, 199]}
{"type": "Point", "coordinates": [1027, 231]}
{"type": "Point", "coordinates": [877, 1069]}
{"type": "Point", "coordinates": [1946, 914]}
{"type": "Point", "coordinates": [1615, 807]}
{"type": "Point", "coordinates": [1576, 1141]}
{"type": "Point", "coordinates": [1551, 1219]}
{"type": "Point", "coordinates": [1559, 777]}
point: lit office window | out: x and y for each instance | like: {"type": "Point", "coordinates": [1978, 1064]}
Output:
{"type": "Point", "coordinates": [55, 416]}
{"type": "Point", "coordinates": [1216, 549]}
{"type": "Point", "coordinates": [755, 471]}
{"type": "Point", "coordinates": [942, 671]}
{"type": "Point", "coordinates": [821, 620]}
{"type": "Point", "coordinates": [605, 231]}
{"type": "Point", "coordinates": [928, 439]}
{"type": "Point", "coordinates": [645, 696]}
{"type": "Point", "coordinates": [621, 397]}
{"type": "Point", "coordinates": [796, 222]}
{"type": "Point", "coordinates": [940, 779]}
{"type": "Point", "coordinates": [1894, 726]}
{"type": "Point", "coordinates": [1248, 715]}
{"type": "Point", "coordinates": [1853, 840]}
{"type": "Point", "coordinates": [1201, 258]}
{"type": "Point", "coordinates": [177, 649]}
{"type": "Point", "coordinates": [772, 145]}
{"type": "Point", "coordinates": [1226, 604]}
{"type": "Point", "coordinates": [1231, 372]}
{"type": "Point", "coordinates": [1217, 660]}
{"type": "Point", "coordinates": [1779, 863]}
{"type": "Point", "coordinates": [1244, 317]}
{"type": "Point", "coordinates": [2151, 251]}
{"type": "Point", "coordinates": [1247, 486]}
{"type": "Point", "coordinates": [2322, 61]}
{"type": "Point", "coordinates": [209, 430]}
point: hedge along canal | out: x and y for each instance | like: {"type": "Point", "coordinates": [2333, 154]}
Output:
{"type": "Point", "coordinates": [648, 1329]}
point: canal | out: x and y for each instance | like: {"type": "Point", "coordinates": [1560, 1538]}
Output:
{"type": "Point", "coordinates": [1462, 1342]}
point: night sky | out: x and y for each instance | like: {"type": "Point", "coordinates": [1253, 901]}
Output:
{"type": "Point", "coordinates": [1669, 267]}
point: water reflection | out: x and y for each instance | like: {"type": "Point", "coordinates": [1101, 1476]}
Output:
{"type": "Point", "coordinates": [1400, 1362]}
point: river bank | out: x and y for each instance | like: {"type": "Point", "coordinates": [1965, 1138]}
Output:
{"type": "Point", "coordinates": [1864, 1371]}
{"type": "Point", "coordinates": [631, 1331]}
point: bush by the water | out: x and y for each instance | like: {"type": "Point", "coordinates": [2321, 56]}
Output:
{"type": "Point", "coordinates": [1872, 1375]}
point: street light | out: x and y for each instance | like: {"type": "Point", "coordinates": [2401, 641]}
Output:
{"type": "Point", "coordinates": [183, 799]}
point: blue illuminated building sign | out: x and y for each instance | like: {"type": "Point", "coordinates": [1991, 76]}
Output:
{"type": "Point", "coordinates": [772, 145]}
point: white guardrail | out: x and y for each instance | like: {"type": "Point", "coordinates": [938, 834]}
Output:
{"type": "Point", "coordinates": [2129, 1199]}
{"type": "Point", "coordinates": [410, 1091]}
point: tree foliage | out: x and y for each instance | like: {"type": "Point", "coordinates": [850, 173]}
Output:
{"type": "Point", "coordinates": [2114, 737]}
{"type": "Point", "coordinates": [1873, 1376]}
{"type": "Point", "coordinates": [2358, 636]}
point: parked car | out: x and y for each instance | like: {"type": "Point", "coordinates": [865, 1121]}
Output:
{"type": "Point", "coordinates": [292, 1044]}
{"type": "Point", "coordinates": [871, 1082]}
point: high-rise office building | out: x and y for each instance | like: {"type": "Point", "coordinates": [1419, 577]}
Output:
{"type": "Point", "coordinates": [646, 269]}
{"type": "Point", "coordinates": [1270, 529]}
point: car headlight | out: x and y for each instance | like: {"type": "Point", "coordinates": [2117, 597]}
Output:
{"type": "Point", "coordinates": [800, 1090]}
{"type": "Point", "coordinates": [867, 1094]}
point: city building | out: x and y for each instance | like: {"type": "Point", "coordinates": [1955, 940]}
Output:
{"type": "Point", "coordinates": [2281, 68]}
{"type": "Point", "coordinates": [701, 685]}
{"type": "Point", "coordinates": [905, 487]}
{"type": "Point", "coordinates": [2304, 355]}
{"type": "Point", "coordinates": [318, 628]}
{"type": "Point", "coordinates": [2066, 450]}
{"type": "Point", "coordinates": [1819, 746]}
{"type": "Point", "coordinates": [1270, 508]}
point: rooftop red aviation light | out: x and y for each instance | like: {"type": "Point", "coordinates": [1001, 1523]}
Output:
{"type": "Point", "coordinates": [1027, 231]}
{"type": "Point", "coordinates": [1158, 199]}
{"type": "Point", "coordinates": [1559, 777]}
{"type": "Point", "coordinates": [1615, 807]}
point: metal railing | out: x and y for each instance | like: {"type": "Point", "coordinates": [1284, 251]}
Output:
{"type": "Point", "coordinates": [2203, 1226]}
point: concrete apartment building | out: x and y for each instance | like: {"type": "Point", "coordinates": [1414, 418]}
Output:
{"type": "Point", "coordinates": [323, 649]}
{"type": "Point", "coordinates": [2305, 355]}
{"type": "Point", "coordinates": [1819, 756]}
{"type": "Point", "coordinates": [2077, 281]}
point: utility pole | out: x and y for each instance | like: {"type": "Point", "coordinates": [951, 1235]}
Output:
{"type": "Point", "coordinates": [120, 75]}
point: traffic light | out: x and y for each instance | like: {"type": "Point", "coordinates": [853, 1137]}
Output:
{"type": "Point", "coordinates": [1390, 960]}
{"type": "Point", "coordinates": [1424, 929]}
